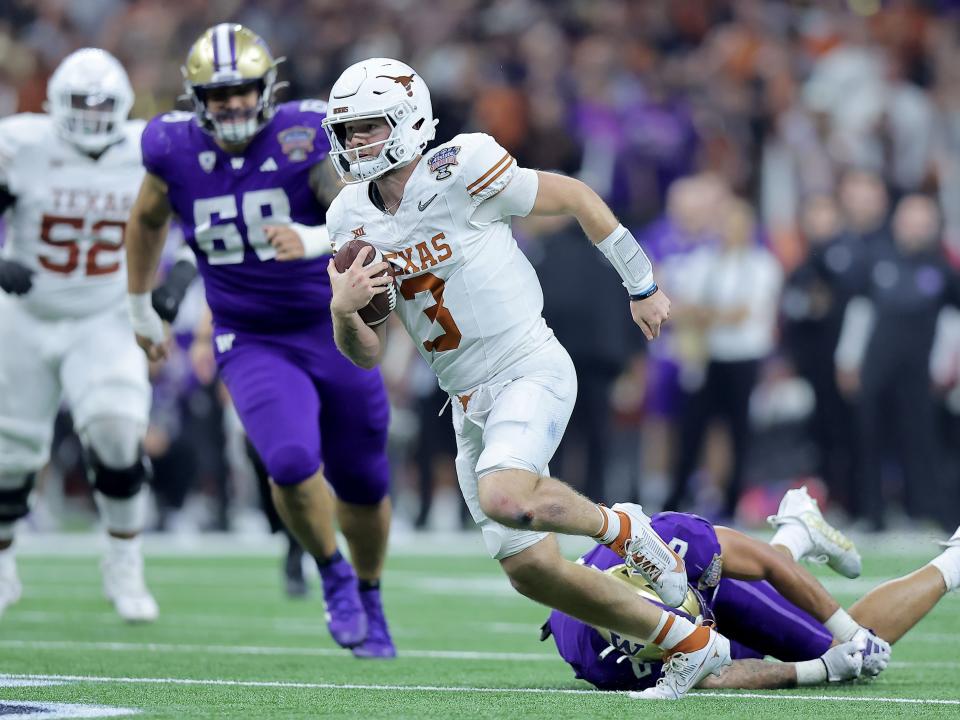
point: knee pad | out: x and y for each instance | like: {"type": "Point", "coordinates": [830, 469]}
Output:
{"type": "Point", "coordinates": [14, 497]}
{"type": "Point", "coordinates": [119, 483]}
{"type": "Point", "coordinates": [115, 440]}
{"type": "Point", "coordinates": [291, 465]}
{"type": "Point", "coordinates": [367, 481]}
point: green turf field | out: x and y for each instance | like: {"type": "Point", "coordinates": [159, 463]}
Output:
{"type": "Point", "coordinates": [228, 645]}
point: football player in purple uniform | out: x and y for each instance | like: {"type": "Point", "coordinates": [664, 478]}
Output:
{"type": "Point", "coordinates": [765, 602]}
{"type": "Point", "coordinates": [247, 179]}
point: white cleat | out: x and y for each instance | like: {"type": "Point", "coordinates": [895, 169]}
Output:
{"type": "Point", "coordinates": [683, 671]}
{"type": "Point", "coordinates": [645, 553]}
{"type": "Point", "coordinates": [829, 544]}
{"type": "Point", "coordinates": [10, 587]}
{"type": "Point", "coordinates": [124, 586]}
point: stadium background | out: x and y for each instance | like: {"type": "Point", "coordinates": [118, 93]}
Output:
{"type": "Point", "coordinates": [771, 102]}
{"type": "Point", "coordinates": [669, 109]}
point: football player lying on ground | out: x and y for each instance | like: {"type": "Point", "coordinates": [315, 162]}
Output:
{"type": "Point", "coordinates": [765, 603]}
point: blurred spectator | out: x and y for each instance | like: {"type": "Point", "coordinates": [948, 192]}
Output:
{"type": "Point", "coordinates": [865, 205]}
{"type": "Point", "coordinates": [663, 107]}
{"type": "Point", "coordinates": [883, 358]}
{"type": "Point", "coordinates": [588, 310]}
{"type": "Point", "coordinates": [727, 300]}
{"type": "Point", "coordinates": [813, 303]}
{"type": "Point", "coordinates": [693, 205]}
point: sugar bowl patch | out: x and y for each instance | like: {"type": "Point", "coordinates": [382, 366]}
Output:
{"type": "Point", "coordinates": [297, 142]}
{"type": "Point", "coordinates": [442, 160]}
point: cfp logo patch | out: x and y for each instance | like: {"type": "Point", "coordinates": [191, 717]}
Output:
{"type": "Point", "coordinates": [442, 160]}
{"type": "Point", "coordinates": [296, 142]}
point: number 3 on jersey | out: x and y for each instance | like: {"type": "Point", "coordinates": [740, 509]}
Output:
{"type": "Point", "coordinates": [436, 313]}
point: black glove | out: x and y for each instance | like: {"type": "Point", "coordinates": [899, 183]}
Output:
{"type": "Point", "coordinates": [15, 278]}
{"type": "Point", "coordinates": [167, 298]}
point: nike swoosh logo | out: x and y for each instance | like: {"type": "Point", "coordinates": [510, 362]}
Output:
{"type": "Point", "coordinates": [424, 205]}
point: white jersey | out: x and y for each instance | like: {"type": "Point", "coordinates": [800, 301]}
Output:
{"type": "Point", "coordinates": [469, 298]}
{"type": "Point", "coordinates": [70, 212]}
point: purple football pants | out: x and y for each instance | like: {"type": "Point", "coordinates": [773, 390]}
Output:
{"type": "Point", "coordinates": [294, 388]}
{"type": "Point", "coordinates": [763, 622]}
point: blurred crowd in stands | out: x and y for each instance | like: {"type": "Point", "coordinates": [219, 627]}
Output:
{"type": "Point", "coordinates": [793, 168]}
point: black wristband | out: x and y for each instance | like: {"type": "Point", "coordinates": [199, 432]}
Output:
{"type": "Point", "coordinates": [645, 295]}
{"type": "Point", "coordinates": [180, 276]}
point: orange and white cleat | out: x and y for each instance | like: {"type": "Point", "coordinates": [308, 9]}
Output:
{"type": "Point", "coordinates": [704, 652]}
{"type": "Point", "coordinates": [645, 553]}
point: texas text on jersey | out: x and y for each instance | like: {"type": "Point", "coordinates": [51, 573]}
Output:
{"type": "Point", "coordinates": [469, 296]}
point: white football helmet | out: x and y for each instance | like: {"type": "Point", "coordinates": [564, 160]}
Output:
{"type": "Point", "coordinates": [89, 97]}
{"type": "Point", "coordinates": [379, 88]}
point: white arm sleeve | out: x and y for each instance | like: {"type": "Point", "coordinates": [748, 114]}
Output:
{"type": "Point", "coordinates": [517, 198]}
{"type": "Point", "coordinates": [858, 321]}
{"type": "Point", "coordinates": [315, 239]}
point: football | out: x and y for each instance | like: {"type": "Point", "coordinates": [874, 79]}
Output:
{"type": "Point", "coordinates": [378, 309]}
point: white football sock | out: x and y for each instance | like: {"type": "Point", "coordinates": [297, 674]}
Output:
{"type": "Point", "coordinates": [842, 626]}
{"type": "Point", "coordinates": [121, 546]}
{"type": "Point", "coordinates": [671, 630]}
{"type": "Point", "coordinates": [795, 538]}
{"type": "Point", "coordinates": [7, 561]}
{"type": "Point", "coordinates": [610, 529]}
{"type": "Point", "coordinates": [948, 563]}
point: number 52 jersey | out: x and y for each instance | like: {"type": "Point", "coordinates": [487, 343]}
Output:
{"type": "Point", "coordinates": [468, 296]}
{"type": "Point", "coordinates": [68, 218]}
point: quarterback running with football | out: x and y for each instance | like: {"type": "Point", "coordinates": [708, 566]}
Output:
{"type": "Point", "coordinates": [472, 304]}
{"type": "Point", "coordinates": [766, 603]}
{"type": "Point", "coordinates": [247, 180]}
{"type": "Point", "coordinates": [67, 182]}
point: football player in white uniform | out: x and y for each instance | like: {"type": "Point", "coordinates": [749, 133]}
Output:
{"type": "Point", "coordinates": [472, 304]}
{"type": "Point", "coordinates": [68, 180]}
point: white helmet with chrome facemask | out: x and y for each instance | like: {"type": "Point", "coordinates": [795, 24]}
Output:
{"type": "Point", "coordinates": [379, 88]}
{"type": "Point", "coordinates": [229, 55]}
{"type": "Point", "coordinates": [89, 97]}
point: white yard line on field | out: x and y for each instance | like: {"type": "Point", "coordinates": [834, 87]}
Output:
{"type": "Point", "coordinates": [476, 655]}
{"type": "Point", "coordinates": [267, 650]}
{"type": "Point", "coordinates": [280, 626]}
{"type": "Point", "coordinates": [457, 689]}
{"type": "Point", "coordinates": [920, 544]}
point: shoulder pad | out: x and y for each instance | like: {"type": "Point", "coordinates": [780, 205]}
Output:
{"type": "Point", "coordinates": [486, 166]}
{"type": "Point", "coordinates": [21, 136]}
{"type": "Point", "coordinates": [23, 129]}
{"type": "Point", "coordinates": [339, 214]}
{"type": "Point", "coordinates": [300, 112]}
{"type": "Point", "coordinates": [163, 136]}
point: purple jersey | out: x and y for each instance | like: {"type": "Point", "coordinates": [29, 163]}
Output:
{"type": "Point", "coordinates": [755, 617]}
{"type": "Point", "coordinates": [223, 200]}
